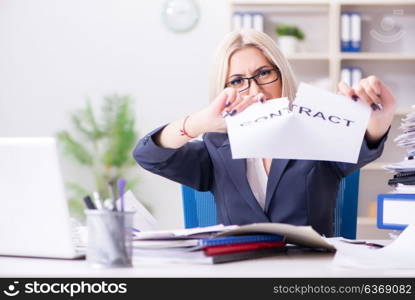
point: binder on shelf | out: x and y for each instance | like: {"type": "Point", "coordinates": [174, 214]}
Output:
{"type": "Point", "coordinates": [356, 75]}
{"type": "Point", "coordinates": [345, 39]}
{"type": "Point", "coordinates": [346, 76]}
{"type": "Point", "coordinates": [395, 211]}
{"type": "Point", "coordinates": [247, 21]}
{"type": "Point", "coordinates": [237, 21]}
{"type": "Point", "coordinates": [351, 75]}
{"type": "Point", "coordinates": [356, 32]}
{"type": "Point", "coordinates": [258, 22]}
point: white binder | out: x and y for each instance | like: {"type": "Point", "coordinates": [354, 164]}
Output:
{"type": "Point", "coordinates": [247, 21]}
{"type": "Point", "coordinates": [356, 75]}
{"type": "Point", "coordinates": [236, 21]}
{"type": "Point", "coordinates": [356, 32]}
{"type": "Point", "coordinates": [345, 76]}
{"type": "Point", "coordinates": [345, 32]}
{"type": "Point", "coordinates": [258, 22]}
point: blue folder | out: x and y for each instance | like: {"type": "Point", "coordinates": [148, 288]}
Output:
{"type": "Point", "coordinates": [228, 240]}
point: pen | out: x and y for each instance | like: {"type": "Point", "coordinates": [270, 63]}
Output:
{"type": "Point", "coordinates": [121, 186]}
{"type": "Point", "coordinates": [114, 195]}
{"type": "Point", "coordinates": [88, 202]}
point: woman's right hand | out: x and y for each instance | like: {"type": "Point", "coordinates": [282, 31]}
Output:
{"type": "Point", "coordinates": [227, 103]}
{"type": "Point", "coordinates": [210, 119]}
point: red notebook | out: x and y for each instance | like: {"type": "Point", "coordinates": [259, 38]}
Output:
{"type": "Point", "coordinates": [216, 250]}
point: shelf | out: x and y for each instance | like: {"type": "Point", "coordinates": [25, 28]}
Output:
{"type": "Point", "coordinates": [375, 2]}
{"type": "Point", "coordinates": [376, 56]}
{"type": "Point", "coordinates": [281, 3]}
{"type": "Point", "coordinates": [323, 2]}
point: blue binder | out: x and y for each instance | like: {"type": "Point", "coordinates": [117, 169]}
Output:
{"type": "Point", "coordinates": [231, 240]}
{"type": "Point", "coordinates": [356, 32]}
{"type": "Point", "coordinates": [345, 32]}
{"type": "Point", "coordinates": [351, 32]}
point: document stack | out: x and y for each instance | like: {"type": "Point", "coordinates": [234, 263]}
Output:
{"type": "Point", "coordinates": [397, 209]}
{"type": "Point", "coordinates": [203, 246]}
{"type": "Point", "coordinates": [220, 244]}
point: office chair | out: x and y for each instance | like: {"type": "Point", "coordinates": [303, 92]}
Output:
{"type": "Point", "coordinates": [200, 208]}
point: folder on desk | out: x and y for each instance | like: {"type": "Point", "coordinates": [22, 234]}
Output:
{"type": "Point", "coordinates": [228, 243]}
{"type": "Point", "coordinates": [241, 247]}
{"type": "Point", "coordinates": [183, 256]}
{"type": "Point", "coordinates": [212, 250]}
{"type": "Point", "coordinates": [240, 239]}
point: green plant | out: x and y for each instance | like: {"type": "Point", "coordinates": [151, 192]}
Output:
{"type": "Point", "coordinates": [104, 146]}
{"type": "Point", "coordinates": [290, 30]}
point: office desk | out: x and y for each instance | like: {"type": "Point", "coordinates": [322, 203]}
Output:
{"type": "Point", "coordinates": [293, 264]}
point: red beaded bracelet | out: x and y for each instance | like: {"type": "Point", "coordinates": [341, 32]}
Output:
{"type": "Point", "coordinates": [183, 131]}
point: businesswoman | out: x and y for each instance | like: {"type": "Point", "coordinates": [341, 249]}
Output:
{"type": "Point", "coordinates": [249, 68]}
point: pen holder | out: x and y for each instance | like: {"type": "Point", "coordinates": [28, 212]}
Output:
{"type": "Point", "coordinates": [109, 238]}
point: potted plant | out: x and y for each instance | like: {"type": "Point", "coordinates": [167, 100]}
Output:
{"type": "Point", "coordinates": [103, 145]}
{"type": "Point", "coordinates": [288, 37]}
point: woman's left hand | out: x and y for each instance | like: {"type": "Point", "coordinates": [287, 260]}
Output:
{"type": "Point", "coordinates": [377, 95]}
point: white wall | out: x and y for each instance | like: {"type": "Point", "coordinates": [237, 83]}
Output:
{"type": "Point", "coordinates": [55, 53]}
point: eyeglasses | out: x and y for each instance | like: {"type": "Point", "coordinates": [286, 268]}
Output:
{"type": "Point", "coordinates": [262, 77]}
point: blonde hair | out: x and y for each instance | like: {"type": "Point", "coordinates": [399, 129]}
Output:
{"type": "Point", "coordinates": [247, 37]}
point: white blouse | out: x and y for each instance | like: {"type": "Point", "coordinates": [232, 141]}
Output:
{"type": "Point", "coordinates": [257, 179]}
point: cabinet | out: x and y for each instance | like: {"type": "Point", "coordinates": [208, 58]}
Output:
{"type": "Point", "coordinates": [387, 51]}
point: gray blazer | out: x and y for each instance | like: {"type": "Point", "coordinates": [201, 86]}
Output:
{"type": "Point", "coordinates": [299, 192]}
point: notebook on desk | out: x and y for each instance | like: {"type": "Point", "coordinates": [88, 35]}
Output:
{"type": "Point", "coordinates": [34, 216]}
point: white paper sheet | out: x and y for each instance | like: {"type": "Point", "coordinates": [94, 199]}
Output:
{"type": "Point", "coordinates": [181, 233]}
{"type": "Point", "coordinates": [397, 255]}
{"type": "Point", "coordinates": [143, 219]}
{"type": "Point", "coordinates": [321, 126]}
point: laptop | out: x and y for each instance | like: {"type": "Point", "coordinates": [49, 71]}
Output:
{"type": "Point", "coordinates": [34, 212]}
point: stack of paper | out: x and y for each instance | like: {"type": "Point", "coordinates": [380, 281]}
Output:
{"type": "Point", "coordinates": [397, 255]}
{"type": "Point", "coordinates": [404, 177]}
{"type": "Point", "coordinates": [396, 210]}
{"type": "Point", "coordinates": [221, 244]}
